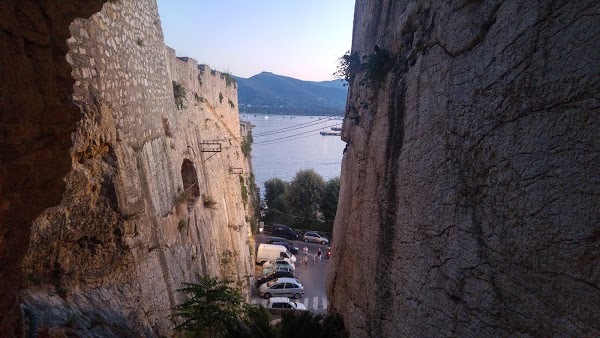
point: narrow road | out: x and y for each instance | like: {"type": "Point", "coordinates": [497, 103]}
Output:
{"type": "Point", "coordinates": [312, 276]}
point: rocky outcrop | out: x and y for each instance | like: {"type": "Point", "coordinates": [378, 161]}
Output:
{"type": "Point", "coordinates": [36, 122]}
{"type": "Point", "coordinates": [153, 195]}
{"type": "Point", "coordinates": [470, 193]}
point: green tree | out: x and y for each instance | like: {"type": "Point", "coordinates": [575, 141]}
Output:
{"type": "Point", "coordinates": [211, 308]}
{"type": "Point", "coordinates": [306, 324]}
{"type": "Point", "coordinates": [304, 194]}
{"type": "Point", "coordinates": [329, 199]}
{"type": "Point", "coordinates": [274, 188]}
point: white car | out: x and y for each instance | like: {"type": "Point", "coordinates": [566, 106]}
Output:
{"type": "Point", "coordinates": [282, 262]}
{"type": "Point", "coordinates": [282, 287]}
{"type": "Point", "coordinates": [313, 236]}
{"type": "Point", "coordinates": [284, 303]}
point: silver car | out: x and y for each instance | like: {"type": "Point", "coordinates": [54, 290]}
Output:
{"type": "Point", "coordinates": [290, 287]}
{"type": "Point", "coordinates": [313, 236]}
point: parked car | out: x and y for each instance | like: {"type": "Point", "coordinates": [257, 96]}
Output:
{"type": "Point", "coordinates": [274, 275]}
{"type": "Point", "coordinates": [284, 303]}
{"type": "Point", "coordinates": [269, 269]}
{"type": "Point", "coordinates": [272, 265]}
{"type": "Point", "coordinates": [292, 249]}
{"type": "Point", "coordinates": [282, 287]}
{"type": "Point", "coordinates": [313, 236]}
{"type": "Point", "coordinates": [279, 240]}
{"type": "Point", "coordinates": [268, 252]}
{"type": "Point", "coordinates": [284, 231]}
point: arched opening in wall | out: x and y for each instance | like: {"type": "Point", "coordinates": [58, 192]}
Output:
{"type": "Point", "coordinates": [190, 181]}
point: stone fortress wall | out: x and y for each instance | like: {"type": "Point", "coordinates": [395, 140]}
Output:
{"type": "Point", "coordinates": [145, 206]}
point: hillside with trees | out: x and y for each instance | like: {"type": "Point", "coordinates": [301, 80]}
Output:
{"type": "Point", "coordinates": [268, 93]}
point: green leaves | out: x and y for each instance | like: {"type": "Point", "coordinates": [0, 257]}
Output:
{"type": "Point", "coordinates": [304, 193]}
{"type": "Point", "coordinates": [210, 307]}
{"type": "Point", "coordinates": [179, 94]}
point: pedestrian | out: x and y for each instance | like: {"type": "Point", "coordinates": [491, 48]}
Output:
{"type": "Point", "coordinates": [319, 253]}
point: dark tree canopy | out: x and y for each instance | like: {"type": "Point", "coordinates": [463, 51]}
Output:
{"type": "Point", "coordinates": [273, 189]}
{"type": "Point", "coordinates": [329, 198]}
{"type": "Point", "coordinates": [304, 194]}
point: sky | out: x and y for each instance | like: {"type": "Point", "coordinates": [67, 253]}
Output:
{"type": "Point", "coordinates": [301, 39]}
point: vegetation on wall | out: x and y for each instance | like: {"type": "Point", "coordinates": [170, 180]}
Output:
{"type": "Point", "coordinates": [220, 97]}
{"type": "Point", "coordinates": [375, 65]}
{"type": "Point", "coordinates": [244, 190]}
{"type": "Point", "coordinates": [231, 104]}
{"type": "Point", "coordinates": [247, 145]}
{"type": "Point", "coordinates": [199, 98]}
{"type": "Point", "coordinates": [209, 202]}
{"type": "Point", "coordinates": [229, 79]}
{"type": "Point", "coordinates": [179, 94]}
{"type": "Point", "coordinates": [349, 64]}
{"type": "Point", "coordinates": [182, 225]}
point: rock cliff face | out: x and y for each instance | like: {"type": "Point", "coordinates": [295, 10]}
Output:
{"type": "Point", "coordinates": [153, 195]}
{"type": "Point", "coordinates": [470, 189]}
{"type": "Point", "coordinates": [37, 118]}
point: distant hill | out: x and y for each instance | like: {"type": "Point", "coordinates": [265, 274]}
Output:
{"type": "Point", "coordinates": [268, 93]}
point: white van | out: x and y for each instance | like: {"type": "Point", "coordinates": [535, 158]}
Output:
{"type": "Point", "coordinates": [271, 252]}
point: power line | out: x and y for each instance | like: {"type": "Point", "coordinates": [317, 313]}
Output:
{"type": "Point", "coordinates": [298, 126]}
{"type": "Point", "coordinates": [289, 139]}
{"type": "Point", "coordinates": [289, 136]}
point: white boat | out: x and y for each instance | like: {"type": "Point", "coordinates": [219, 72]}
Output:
{"type": "Point", "coordinates": [330, 133]}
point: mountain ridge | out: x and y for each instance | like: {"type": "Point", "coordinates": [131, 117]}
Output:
{"type": "Point", "coordinates": [267, 92]}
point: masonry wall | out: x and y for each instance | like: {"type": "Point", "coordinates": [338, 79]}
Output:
{"type": "Point", "coordinates": [145, 207]}
{"type": "Point", "coordinates": [469, 199]}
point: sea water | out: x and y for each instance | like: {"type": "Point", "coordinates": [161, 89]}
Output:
{"type": "Point", "coordinates": [285, 144]}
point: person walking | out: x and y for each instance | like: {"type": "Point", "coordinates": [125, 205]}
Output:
{"type": "Point", "coordinates": [319, 253]}
{"type": "Point", "coordinates": [305, 255]}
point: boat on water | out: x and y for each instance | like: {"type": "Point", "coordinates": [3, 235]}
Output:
{"type": "Point", "coordinates": [330, 133]}
{"type": "Point", "coordinates": [336, 128]}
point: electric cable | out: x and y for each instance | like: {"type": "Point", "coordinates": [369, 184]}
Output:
{"type": "Point", "coordinates": [298, 126]}
{"type": "Point", "coordinates": [289, 136]}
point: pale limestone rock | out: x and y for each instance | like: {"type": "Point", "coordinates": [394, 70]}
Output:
{"type": "Point", "coordinates": [470, 193]}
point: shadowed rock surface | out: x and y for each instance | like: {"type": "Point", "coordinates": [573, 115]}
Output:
{"type": "Point", "coordinates": [36, 122]}
{"type": "Point", "coordinates": [470, 189]}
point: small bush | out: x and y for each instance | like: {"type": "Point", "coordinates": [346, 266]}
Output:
{"type": "Point", "coordinates": [179, 94]}
{"type": "Point", "coordinates": [220, 97]}
{"type": "Point", "coordinates": [231, 104]}
{"type": "Point", "coordinates": [377, 65]}
{"type": "Point", "coordinates": [244, 190]}
{"type": "Point", "coordinates": [209, 202]}
{"type": "Point", "coordinates": [229, 80]}
{"type": "Point", "coordinates": [185, 196]}
{"type": "Point", "coordinates": [349, 65]}
{"type": "Point", "coordinates": [199, 98]}
{"type": "Point", "coordinates": [247, 145]}
{"type": "Point", "coordinates": [183, 224]}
